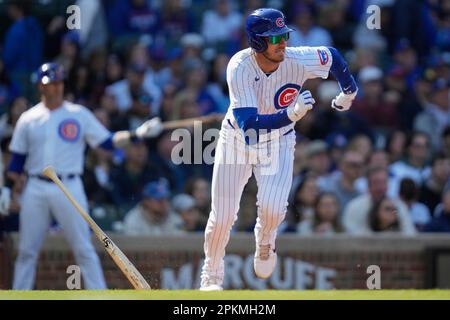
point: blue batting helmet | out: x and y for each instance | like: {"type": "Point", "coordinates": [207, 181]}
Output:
{"type": "Point", "coordinates": [263, 23]}
{"type": "Point", "coordinates": [49, 72]}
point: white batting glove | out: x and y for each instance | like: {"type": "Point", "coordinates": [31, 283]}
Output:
{"type": "Point", "coordinates": [343, 101]}
{"type": "Point", "coordinates": [149, 129]}
{"type": "Point", "coordinates": [304, 103]}
{"type": "Point", "coordinates": [5, 201]}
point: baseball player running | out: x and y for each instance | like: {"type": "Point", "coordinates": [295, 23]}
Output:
{"type": "Point", "coordinates": [265, 83]}
{"type": "Point", "coordinates": [55, 132]}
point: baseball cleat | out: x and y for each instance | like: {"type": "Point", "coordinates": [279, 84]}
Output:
{"type": "Point", "coordinates": [265, 261]}
{"type": "Point", "coordinates": [210, 284]}
{"type": "Point", "coordinates": [211, 287]}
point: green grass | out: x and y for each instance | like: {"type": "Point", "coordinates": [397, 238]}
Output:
{"type": "Point", "coordinates": [227, 295]}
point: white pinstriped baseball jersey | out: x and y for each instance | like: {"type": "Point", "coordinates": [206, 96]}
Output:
{"type": "Point", "coordinates": [249, 86]}
{"type": "Point", "coordinates": [56, 137]}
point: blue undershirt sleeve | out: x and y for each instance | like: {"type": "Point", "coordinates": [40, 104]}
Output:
{"type": "Point", "coordinates": [17, 162]}
{"type": "Point", "coordinates": [107, 144]}
{"type": "Point", "coordinates": [248, 119]}
{"type": "Point", "coordinates": [340, 71]}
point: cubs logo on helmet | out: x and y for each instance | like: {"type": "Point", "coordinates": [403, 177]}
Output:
{"type": "Point", "coordinates": [279, 22]}
{"type": "Point", "coordinates": [69, 130]}
{"type": "Point", "coordinates": [286, 95]}
{"type": "Point", "coordinates": [323, 56]}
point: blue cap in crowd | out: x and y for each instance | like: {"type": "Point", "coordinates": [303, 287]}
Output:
{"type": "Point", "coordinates": [440, 84]}
{"type": "Point", "coordinates": [402, 44]}
{"type": "Point", "coordinates": [156, 190]}
{"type": "Point", "coordinates": [137, 67]}
{"type": "Point", "coordinates": [336, 140]}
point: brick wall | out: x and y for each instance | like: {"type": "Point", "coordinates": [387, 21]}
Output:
{"type": "Point", "coordinates": [401, 260]}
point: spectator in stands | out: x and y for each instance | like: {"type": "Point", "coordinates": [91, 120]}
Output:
{"type": "Point", "coordinates": [441, 220]}
{"type": "Point", "coordinates": [177, 19]}
{"type": "Point", "coordinates": [114, 69]}
{"type": "Point", "coordinates": [318, 160]}
{"type": "Point", "coordinates": [405, 61]}
{"type": "Point", "coordinates": [69, 55]}
{"type": "Point", "coordinates": [9, 90]}
{"type": "Point", "coordinates": [395, 145]}
{"type": "Point", "coordinates": [362, 144]}
{"type": "Point", "coordinates": [8, 120]}
{"type": "Point", "coordinates": [153, 215]}
{"type": "Point", "coordinates": [166, 110]}
{"type": "Point", "coordinates": [372, 40]}
{"type": "Point", "coordinates": [184, 205]}
{"type": "Point", "coordinates": [433, 186]}
{"type": "Point", "coordinates": [337, 144]}
{"type": "Point", "coordinates": [303, 198]}
{"type": "Point", "coordinates": [378, 158]}
{"type": "Point", "coordinates": [139, 54]}
{"type": "Point", "coordinates": [195, 76]}
{"type": "Point", "coordinates": [94, 33]}
{"type": "Point", "coordinates": [442, 25]}
{"type": "Point", "coordinates": [96, 178]}
{"type": "Point", "coordinates": [436, 116]}
{"type": "Point", "coordinates": [414, 166]}
{"type": "Point", "coordinates": [384, 217]}
{"type": "Point", "coordinates": [222, 25]}
{"type": "Point", "coordinates": [332, 16]}
{"type": "Point", "coordinates": [162, 158]}
{"type": "Point", "coordinates": [134, 100]}
{"type": "Point", "coordinates": [307, 33]}
{"type": "Point", "coordinates": [342, 182]}
{"type": "Point", "coordinates": [98, 166]}
{"type": "Point", "coordinates": [80, 86]}
{"type": "Point", "coordinates": [356, 214]}
{"type": "Point", "coordinates": [446, 141]}
{"type": "Point", "coordinates": [371, 103]}
{"type": "Point", "coordinates": [133, 18]}
{"type": "Point", "coordinates": [171, 73]}
{"type": "Point", "coordinates": [129, 179]}
{"type": "Point", "coordinates": [217, 85]}
{"type": "Point", "coordinates": [22, 50]}
{"type": "Point", "coordinates": [325, 121]}
{"type": "Point", "coordinates": [406, 100]}
{"type": "Point", "coordinates": [185, 106]}
{"type": "Point", "coordinates": [409, 194]}
{"type": "Point", "coordinates": [192, 45]}
{"type": "Point", "coordinates": [200, 189]}
{"type": "Point", "coordinates": [325, 219]}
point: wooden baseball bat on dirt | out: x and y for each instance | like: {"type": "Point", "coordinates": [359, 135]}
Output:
{"type": "Point", "coordinates": [129, 270]}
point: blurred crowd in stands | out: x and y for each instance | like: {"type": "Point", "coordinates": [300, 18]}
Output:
{"type": "Point", "coordinates": [383, 166]}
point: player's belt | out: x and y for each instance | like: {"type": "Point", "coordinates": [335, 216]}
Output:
{"type": "Point", "coordinates": [61, 177]}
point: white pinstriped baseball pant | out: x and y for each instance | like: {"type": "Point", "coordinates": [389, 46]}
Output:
{"type": "Point", "coordinates": [42, 200]}
{"type": "Point", "coordinates": [228, 182]}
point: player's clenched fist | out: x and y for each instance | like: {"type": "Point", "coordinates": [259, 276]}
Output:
{"type": "Point", "coordinates": [150, 128]}
{"type": "Point", "coordinates": [304, 103]}
{"type": "Point", "coordinates": [343, 101]}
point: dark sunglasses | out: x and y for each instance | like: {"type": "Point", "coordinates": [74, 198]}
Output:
{"type": "Point", "coordinates": [277, 39]}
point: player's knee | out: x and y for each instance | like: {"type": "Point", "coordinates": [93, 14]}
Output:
{"type": "Point", "coordinates": [269, 210]}
{"type": "Point", "coordinates": [221, 221]}
{"type": "Point", "coordinates": [266, 208]}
